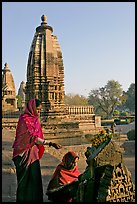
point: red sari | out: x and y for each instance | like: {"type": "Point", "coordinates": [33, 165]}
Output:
{"type": "Point", "coordinates": [27, 131]}
{"type": "Point", "coordinates": [26, 155]}
{"type": "Point", "coordinates": [63, 175]}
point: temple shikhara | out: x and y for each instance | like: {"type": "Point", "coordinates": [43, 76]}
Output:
{"type": "Point", "coordinates": [45, 80]}
{"type": "Point", "coordinates": [9, 102]}
{"type": "Point", "coordinates": [45, 71]}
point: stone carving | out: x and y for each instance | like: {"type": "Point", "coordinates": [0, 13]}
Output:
{"type": "Point", "coordinates": [106, 178]}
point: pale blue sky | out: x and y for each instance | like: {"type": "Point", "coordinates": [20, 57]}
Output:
{"type": "Point", "coordinates": [97, 40]}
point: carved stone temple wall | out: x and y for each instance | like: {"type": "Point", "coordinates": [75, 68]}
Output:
{"type": "Point", "coordinates": [9, 102]}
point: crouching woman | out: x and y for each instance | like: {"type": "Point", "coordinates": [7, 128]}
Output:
{"type": "Point", "coordinates": [64, 182]}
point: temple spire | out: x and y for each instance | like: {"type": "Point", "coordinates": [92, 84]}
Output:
{"type": "Point", "coordinates": [45, 70]}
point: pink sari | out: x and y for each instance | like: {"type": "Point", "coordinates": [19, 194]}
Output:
{"type": "Point", "coordinates": [27, 131]}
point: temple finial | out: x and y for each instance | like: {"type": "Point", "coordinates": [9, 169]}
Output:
{"type": "Point", "coordinates": [44, 19]}
{"type": "Point", "coordinates": [6, 64]}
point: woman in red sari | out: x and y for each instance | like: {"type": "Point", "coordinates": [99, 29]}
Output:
{"type": "Point", "coordinates": [66, 173]}
{"type": "Point", "coordinates": [28, 148]}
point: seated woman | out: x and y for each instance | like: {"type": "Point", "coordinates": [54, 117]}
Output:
{"type": "Point", "coordinates": [64, 182]}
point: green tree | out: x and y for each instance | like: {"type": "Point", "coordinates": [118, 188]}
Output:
{"type": "Point", "coordinates": [106, 99]}
{"type": "Point", "coordinates": [124, 113]}
{"type": "Point", "coordinates": [71, 99]}
{"type": "Point", "coordinates": [19, 101]}
{"type": "Point", "coordinates": [130, 102]}
{"type": "Point", "coordinates": [116, 113]}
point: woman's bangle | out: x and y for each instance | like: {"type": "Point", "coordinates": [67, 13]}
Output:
{"type": "Point", "coordinates": [44, 142]}
{"type": "Point", "coordinates": [47, 143]}
{"type": "Point", "coordinates": [50, 144]}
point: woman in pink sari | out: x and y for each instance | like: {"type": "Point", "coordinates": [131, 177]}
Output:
{"type": "Point", "coordinates": [28, 148]}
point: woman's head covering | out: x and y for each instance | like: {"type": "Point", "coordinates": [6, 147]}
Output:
{"type": "Point", "coordinates": [64, 175]}
{"type": "Point", "coordinates": [68, 159]}
{"type": "Point", "coordinates": [27, 131]}
{"type": "Point", "coordinates": [31, 108]}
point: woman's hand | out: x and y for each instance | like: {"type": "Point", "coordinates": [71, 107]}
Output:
{"type": "Point", "coordinates": [55, 145]}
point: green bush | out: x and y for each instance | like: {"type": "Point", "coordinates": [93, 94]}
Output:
{"type": "Point", "coordinates": [124, 122]}
{"type": "Point", "coordinates": [117, 121]}
{"type": "Point", "coordinates": [131, 135]}
{"type": "Point", "coordinates": [124, 114]}
{"type": "Point", "coordinates": [116, 113]}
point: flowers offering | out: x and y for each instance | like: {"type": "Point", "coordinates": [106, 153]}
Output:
{"type": "Point", "coordinates": [101, 137]}
{"type": "Point", "coordinates": [102, 132]}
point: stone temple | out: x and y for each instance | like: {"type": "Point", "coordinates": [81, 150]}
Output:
{"type": "Point", "coordinates": [9, 102]}
{"type": "Point", "coordinates": [45, 80]}
{"type": "Point", "coordinates": [45, 71]}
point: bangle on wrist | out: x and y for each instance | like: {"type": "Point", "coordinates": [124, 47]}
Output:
{"type": "Point", "coordinates": [43, 142]}
{"type": "Point", "coordinates": [47, 143]}
{"type": "Point", "coordinates": [50, 144]}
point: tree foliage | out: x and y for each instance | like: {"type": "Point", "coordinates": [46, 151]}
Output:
{"type": "Point", "coordinates": [71, 99]}
{"type": "Point", "coordinates": [107, 101]}
{"type": "Point", "coordinates": [107, 98]}
{"type": "Point", "coordinates": [131, 134]}
{"type": "Point", "coordinates": [130, 102]}
{"type": "Point", "coordinates": [19, 101]}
